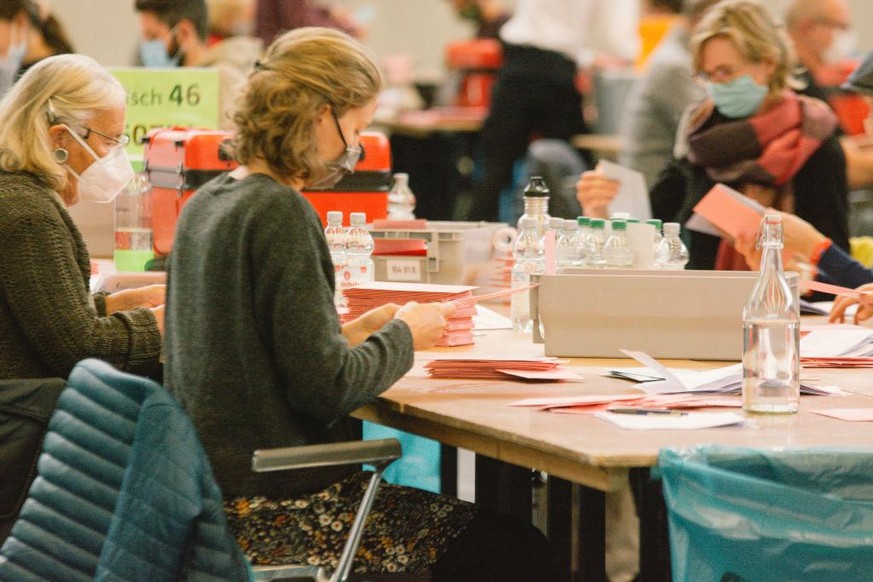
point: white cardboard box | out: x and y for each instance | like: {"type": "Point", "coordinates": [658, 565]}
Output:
{"type": "Point", "coordinates": [667, 314]}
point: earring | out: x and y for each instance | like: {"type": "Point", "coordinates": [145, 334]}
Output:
{"type": "Point", "coordinates": [61, 155]}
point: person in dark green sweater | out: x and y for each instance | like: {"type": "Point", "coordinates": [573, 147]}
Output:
{"type": "Point", "coordinates": [62, 140]}
{"type": "Point", "coordinates": [256, 354]}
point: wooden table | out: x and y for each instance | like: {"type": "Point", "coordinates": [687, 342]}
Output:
{"type": "Point", "coordinates": [580, 448]}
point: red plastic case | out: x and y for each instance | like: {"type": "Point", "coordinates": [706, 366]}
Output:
{"type": "Point", "coordinates": [178, 160]}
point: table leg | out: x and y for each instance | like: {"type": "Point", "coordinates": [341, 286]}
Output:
{"type": "Point", "coordinates": [559, 524]}
{"type": "Point", "coordinates": [654, 537]}
{"type": "Point", "coordinates": [449, 470]}
{"type": "Point", "coordinates": [592, 534]}
{"type": "Point", "coordinates": [503, 487]}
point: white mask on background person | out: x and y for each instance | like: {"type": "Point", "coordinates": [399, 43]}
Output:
{"type": "Point", "coordinates": [843, 47]}
{"type": "Point", "coordinates": [106, 177]}
{"type": "Point", "coordinates": [12, 61]}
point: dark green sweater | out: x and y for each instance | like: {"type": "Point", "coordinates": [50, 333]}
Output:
{"type": "Point", "coordinates": [48, 320]}
{"type": "Point", "coordinates": [254, 349]}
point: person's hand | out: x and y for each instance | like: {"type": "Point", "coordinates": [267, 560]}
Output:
{"type": "Point", "coordinates": [357, 331]}
{"type": "Point", "coordinates": [426, 321]}
{"type": "Point", "coordinates": [800, 237]}
{"type": "Point", "coordinates": [594, 192]}
{"type": "Point", "coordinates": [147, 296]}
{"type": "Point", "coordinates": [158, 312]}
{"type": "Point", "coordinates": [746, 244]}
{"type": "Point", "coordinates": [865, 306]}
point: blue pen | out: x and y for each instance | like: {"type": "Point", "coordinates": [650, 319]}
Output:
{"type": "Point", "coordinates": [645, 411]}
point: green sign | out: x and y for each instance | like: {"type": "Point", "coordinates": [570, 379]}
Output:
{"type": "Point", "coordinates": [166, 97]}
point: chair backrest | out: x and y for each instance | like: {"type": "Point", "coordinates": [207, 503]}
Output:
{"type": "Point", "coordinates": [123, 491]}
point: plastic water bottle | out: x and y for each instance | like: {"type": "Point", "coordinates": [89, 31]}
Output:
{"type": "Point", "coordinates": [536, 204]}
{"type": "Point", "coordinates": [617, 251]}
{"type": "Point", "coordinates": [568, 250]}
{"type": "Point", "coordinates": [401, 200]}
{"type": "Point", "coordinates": [771, 332]}
{"type": "Point", "coordinates": [359, 248]}
{"type": "Point", "coordinates": [134, 245]}
{"type": "Point", "coordinates": [671, 252]}
{"type": "Point", "coordinates": [584, 223]}
{"type": "Point", "coordinates": [528, 253]}
{"type": "Point", "coordinates": [594, 244]}
{"type": "Point", "coordinates": [336, 243]}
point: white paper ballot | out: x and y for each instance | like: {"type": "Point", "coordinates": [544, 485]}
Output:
{"type": "Point", "coordinates": [633, 195]}
{"type": "Point", "coordinates": [692, 420]}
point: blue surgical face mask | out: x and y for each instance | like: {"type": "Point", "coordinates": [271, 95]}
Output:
{"type": "Point", "coordinates": [739, 98]}
{"type": "Point", "coordinates": [153, 54]}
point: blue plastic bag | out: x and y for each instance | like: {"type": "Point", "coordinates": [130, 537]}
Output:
{"type": "Point", "coordinates": [748, 514]}
{"type": "Point", "coordinates": [419, 466]}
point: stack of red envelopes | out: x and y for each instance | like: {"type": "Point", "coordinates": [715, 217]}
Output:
{"type": "Point", "coordinates": [459, 327]}
{"type": "Point", "coordinates": [500, 369]}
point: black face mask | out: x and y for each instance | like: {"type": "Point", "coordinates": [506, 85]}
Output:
{"type": "Point", "coordinates": [340, 167]}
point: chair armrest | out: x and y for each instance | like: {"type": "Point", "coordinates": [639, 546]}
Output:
{"type": "Point", "coordinates": [375, 452]}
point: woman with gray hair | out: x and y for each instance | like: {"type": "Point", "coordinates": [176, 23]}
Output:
{"type": "Point", "coordinates": [62, 139]}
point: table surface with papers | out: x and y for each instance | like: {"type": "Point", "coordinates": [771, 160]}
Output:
{"type": "Point", "coordinates": [476, 415]}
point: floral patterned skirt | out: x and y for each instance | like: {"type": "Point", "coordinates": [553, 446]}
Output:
{"type": "Point", "coordinates": [406, 531]}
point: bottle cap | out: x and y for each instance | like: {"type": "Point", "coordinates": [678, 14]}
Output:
{"type": "Point", "coordinates": [671, 228]}
{"type": "Point", "coordinates": [656, 222]}
{"type": "Point", "coordinates": [358, 218]}
{"type": "Point", "coordinates": [633, 221]}
{"type": "Point", "coordinates": [619, 224]}
{"type": "Point", "coordinates": [536, 188]}
{"type": "Point", "coordinates": [583, 220]}
{"type": "Point", "coordinates": [335, 216]}
{"type": "Point", "coordinates": [401, 177]}
{"type": "Point", "coordinates": [597, 223]}
{"type": "Point", "coordinates": [556, 223]}
{"type": "Point", "coordinates": [570, 224]}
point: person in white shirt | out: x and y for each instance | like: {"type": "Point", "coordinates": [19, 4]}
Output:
{"type": "Point", "coordinates": [545, 43]}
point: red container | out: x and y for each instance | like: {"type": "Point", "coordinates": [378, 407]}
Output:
{"type": "Point", "coordinates": [364, 191]}
{"type": "Point", "coordinates": [179, 160]}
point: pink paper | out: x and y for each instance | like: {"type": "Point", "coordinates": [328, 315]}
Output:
{"type": "Point", "coordinates": [726, 212]}
{"type": "Point", "coordinates": [849, 414]}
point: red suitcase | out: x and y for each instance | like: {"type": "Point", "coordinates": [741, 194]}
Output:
{"type": "Point", "coordinates": [178, 160]}
{"type": "Point", "coordinates": [364, 191]}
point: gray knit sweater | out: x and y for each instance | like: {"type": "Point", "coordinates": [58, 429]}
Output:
{"type": "Point", "coordinates": [253, 344]}
{"type": "Point", "coordinates": [48, 321]}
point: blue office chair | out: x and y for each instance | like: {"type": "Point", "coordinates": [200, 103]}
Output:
{"type": "Point", "coordinates": [124, 491]}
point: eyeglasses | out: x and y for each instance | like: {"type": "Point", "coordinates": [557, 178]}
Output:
{"type": "Point", "coordinates": [350, 157]}
{"type": "Point", "coordinates": [119, 141]}
{"type": "Point", "coordinates": [720, 74]}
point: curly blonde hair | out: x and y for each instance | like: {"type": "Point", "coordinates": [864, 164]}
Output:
{"type": "Point", "coordinates": [68, 89]}
{"type": "Point", "coordinates": [301, 71]}
{"type": "Point", "coordinates": [757, 34]}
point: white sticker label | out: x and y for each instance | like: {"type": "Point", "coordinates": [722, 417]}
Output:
{"type": "Point", "coordinates": [403, 270]}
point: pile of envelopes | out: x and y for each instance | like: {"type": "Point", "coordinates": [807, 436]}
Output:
{"type": "Point", "coordinates": [459, 327]}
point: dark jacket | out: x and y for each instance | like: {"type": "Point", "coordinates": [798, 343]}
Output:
{"type": "Point", "coordinates": [25, 408]}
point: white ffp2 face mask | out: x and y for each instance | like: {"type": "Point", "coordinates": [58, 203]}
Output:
{"type": "Point", "coordinates": [106, 177]}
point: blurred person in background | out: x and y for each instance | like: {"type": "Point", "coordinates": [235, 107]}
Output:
{"type": "Point", "coordinates": [230, 18]}
{"type": "Point", "coordinates": [824, 41]}
{"type": "Point", "coordinates": [752, 133]}
{"type": "Point", "coordinates": [546, 43]}
{"type": "Point", "coordinates": [273, 17]}
{"type": "Point", "coordinates": [174, 33]}
{"type": "Point", "coordinates": [29, 32]}
{"type": "Point", "coordinates": [660, 96]}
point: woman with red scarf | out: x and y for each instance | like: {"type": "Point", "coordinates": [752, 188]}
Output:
{"type": "Point", "coordinates": [752, 132]}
